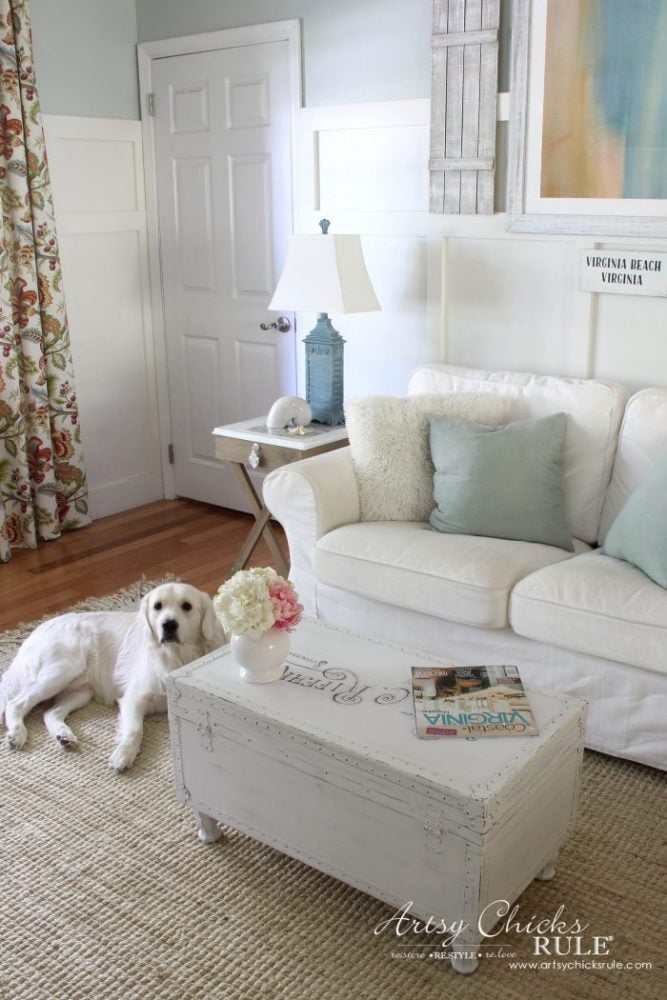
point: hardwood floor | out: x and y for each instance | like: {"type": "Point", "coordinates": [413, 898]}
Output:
{"type": "Point", "coordinates": [194, 541]}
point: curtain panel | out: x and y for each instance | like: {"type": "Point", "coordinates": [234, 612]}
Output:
{"type": "Point", "coordinates": [42, 480]}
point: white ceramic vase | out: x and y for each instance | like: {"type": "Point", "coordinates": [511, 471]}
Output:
{"type": "Point", "coordinates": [261, 659]}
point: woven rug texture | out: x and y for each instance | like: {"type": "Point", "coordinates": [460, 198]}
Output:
{"type": "Point", "coordinates": [108, 894]}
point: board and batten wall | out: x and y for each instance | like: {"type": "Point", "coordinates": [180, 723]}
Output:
{"type": "Point", "coordinates": [86, 65]}
{"type": "Point", "coordinates": [461, 289]}
{"type": "Point", "coordinates": [98, 190]}
{"type": "Point", "coordinates": [456, 289]}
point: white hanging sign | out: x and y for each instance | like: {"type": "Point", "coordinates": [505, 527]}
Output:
{"type": "Point", "coordinates": [624, 271]}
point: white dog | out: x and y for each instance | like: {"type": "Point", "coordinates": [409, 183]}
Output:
{"type": "Point", "coordinates": [108, 656]}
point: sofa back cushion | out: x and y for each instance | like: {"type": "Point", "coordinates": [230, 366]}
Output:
{"type": "Point", "coordinates": [594, 410]}
{"type": "Point", "coordinates": [642, 440]}
{"type": "Point", "coordinates": [389, 445]}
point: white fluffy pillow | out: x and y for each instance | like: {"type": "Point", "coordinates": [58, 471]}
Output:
{"type": "Point", "coordinates": [389, 443]}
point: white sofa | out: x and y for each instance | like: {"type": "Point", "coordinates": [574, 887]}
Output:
{"type": "Point", "coordinates": [580, 622]}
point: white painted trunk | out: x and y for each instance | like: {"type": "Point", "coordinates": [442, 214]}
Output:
{"type": "Point", "coordinates": [325, 766]}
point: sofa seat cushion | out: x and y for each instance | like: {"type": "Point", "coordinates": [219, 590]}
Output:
{"type": "Point", "coordinates": [463, 578]}
{"type": "Point", "coordinates": [595, 604]}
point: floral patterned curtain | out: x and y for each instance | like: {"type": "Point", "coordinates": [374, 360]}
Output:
{"type": "Point", "coordinates": [42, 481]}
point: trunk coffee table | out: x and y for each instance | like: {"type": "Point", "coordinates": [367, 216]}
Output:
{"type": "Point", "coordinates": [324, 765]}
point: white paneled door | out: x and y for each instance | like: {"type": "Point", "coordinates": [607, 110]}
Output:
{"type": "Point", "coordinates": [222, 134]}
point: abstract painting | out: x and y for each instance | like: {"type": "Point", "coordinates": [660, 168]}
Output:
{"type": "Point", "coordinates": [605, 100]}
{"type": "Point", "coordinates": [588, 140]}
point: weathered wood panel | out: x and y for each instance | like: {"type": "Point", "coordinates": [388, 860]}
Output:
{"type": "Point", "coordinates": [438, 101]}
{"type": "Point", "coordinates": [454, 106]}
{"type": "Point", "coordinates": [471, 109]}
{"type": "Point", "coordinates": [463, 105]}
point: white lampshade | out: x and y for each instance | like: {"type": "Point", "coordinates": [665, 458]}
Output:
{"type": "Point", "coordinates": [325, 274]}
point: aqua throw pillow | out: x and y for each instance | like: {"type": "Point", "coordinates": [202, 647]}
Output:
{"type": "Point", "coordinates": [501, 482]}
{"type": "Point", "coordinates": [639, 533]}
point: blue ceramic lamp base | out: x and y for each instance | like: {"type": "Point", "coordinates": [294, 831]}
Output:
{"type": "Point", "coordinates": [324, 372]}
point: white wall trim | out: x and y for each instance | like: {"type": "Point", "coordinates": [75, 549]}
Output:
{"type": "Point", "coordinates": [227, 38]}
{"type": "Point", "coordinates": [415, 113]}
{"type": "Point", "coordinates": [155, 271]}
{"type": "Point", "coordinates": [256, 34]}
{"type": "Point", "coordinates": [371, 114]}
{"type": "Point", "coordinates": [103, 129]}
{"type": "Point", "coordinates": [503, 107]}
{"type": "Point", "coordinates": [314, 121]}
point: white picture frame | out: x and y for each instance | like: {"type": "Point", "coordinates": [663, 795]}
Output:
{"type": "Point", "coordinates": [528, 211]}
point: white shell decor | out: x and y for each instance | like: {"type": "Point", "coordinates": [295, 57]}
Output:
{"type": "Point", "coordinates": [287, 409]}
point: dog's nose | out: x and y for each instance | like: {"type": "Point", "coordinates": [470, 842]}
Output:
{"type": "Point", "coordinates": [169, 628]}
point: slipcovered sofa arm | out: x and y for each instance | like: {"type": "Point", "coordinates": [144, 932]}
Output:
{"type": "Point", "coordinates": [309, 499]}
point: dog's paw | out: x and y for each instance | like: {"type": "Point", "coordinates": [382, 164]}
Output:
{"type": "Point", "coordinates": [15, 740]}
{"type": "Point", "coordinates": [67, 741]}
{"type": "Point", "coordinates": [121, 760]}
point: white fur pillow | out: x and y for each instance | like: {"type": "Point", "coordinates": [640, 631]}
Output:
{"type": "Point", "coordinates": [389, 444]}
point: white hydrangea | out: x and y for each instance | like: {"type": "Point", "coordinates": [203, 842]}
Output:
{"type": "Point", "coordinates": [243, 604]}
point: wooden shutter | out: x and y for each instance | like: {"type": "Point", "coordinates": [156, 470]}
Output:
{"type": "Point", "coordinates": [463, 105]}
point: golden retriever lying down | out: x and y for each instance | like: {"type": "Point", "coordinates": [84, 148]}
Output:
{"type": "Point", "coordinates": [108, 656]}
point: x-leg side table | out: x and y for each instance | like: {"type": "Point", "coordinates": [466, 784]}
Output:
{"type": "Point", "coordinates": [249, 444]}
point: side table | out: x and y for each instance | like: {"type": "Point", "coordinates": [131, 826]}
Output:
{"type": "Point", "coordinates": [251, 443]}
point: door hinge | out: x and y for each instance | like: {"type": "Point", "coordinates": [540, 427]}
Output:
{"type": "Point", "coordinates": [150, 104]}
{"type": "Point", "coordinates": [170, 452]}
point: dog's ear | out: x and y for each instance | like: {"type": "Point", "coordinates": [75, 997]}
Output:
{"type": "Point", "coordinates": [210, 625]}
{"type": "Point", "coordinates": [144, 620]}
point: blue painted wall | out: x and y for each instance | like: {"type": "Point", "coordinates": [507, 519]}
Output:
{"type": "Point", "coordinates": [354, 50]}
{"type": "Point", "coordinates": [85, 57]}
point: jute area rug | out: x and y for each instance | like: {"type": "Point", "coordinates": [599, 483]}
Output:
{"type": "Point", "coordinates": [108, 894]}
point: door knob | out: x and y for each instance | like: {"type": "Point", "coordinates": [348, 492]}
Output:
{"type": "Point", "coordinates": [282, 324]}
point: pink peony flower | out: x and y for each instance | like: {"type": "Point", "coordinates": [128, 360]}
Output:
{"type": "Point", "coordinates": [255, 600]}
{"type": "Point", "coordinates": [286, 608]}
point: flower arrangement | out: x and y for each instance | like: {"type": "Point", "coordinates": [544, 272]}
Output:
{"type": "Point", "coordinates": [255, 600]}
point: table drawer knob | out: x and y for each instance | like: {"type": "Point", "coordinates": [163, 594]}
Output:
{"type": "Point", "coordinates": [254, 457]}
